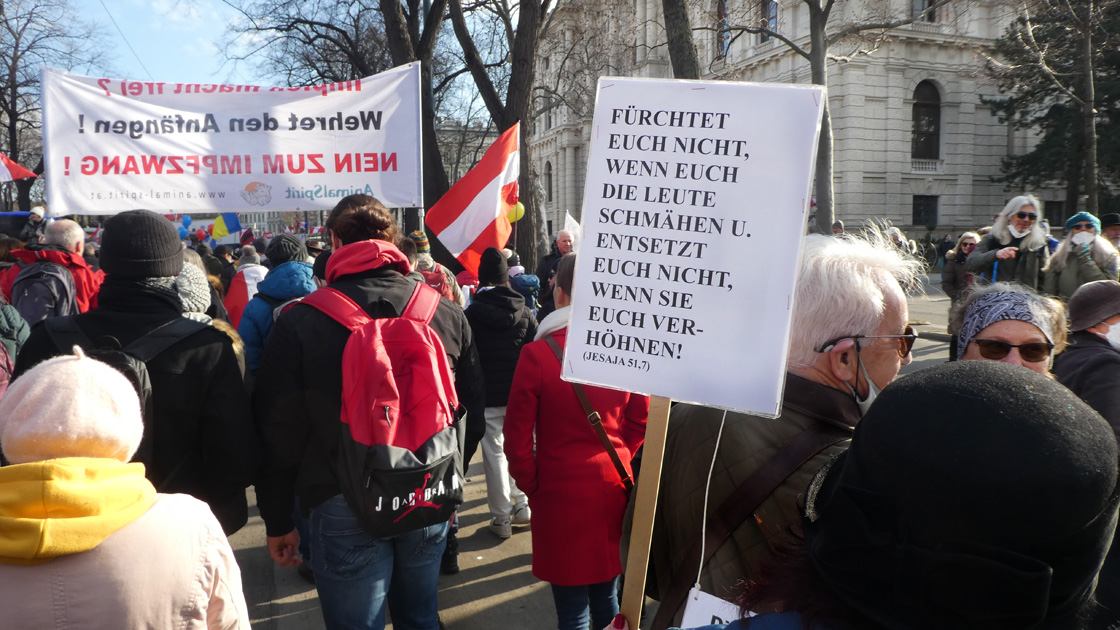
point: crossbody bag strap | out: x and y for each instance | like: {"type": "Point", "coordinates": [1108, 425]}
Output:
{"type": "Point", "coordinates": [594, 418]}
{"type": "Point", "coordinates": [740, 505]}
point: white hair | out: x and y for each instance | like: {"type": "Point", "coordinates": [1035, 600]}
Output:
{"type": "Point", "coordinates": [1037, 236]}
{"type": "Point", "coordinates": [844, 285]}
{"type": "Point", "coordinates": [66, 233]}
{"type": "Point", "coordinates": [565, 232]}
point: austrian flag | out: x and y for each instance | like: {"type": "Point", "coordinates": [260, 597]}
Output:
{"type": "Point", "coordinates": [472, 215]}
{"type": "Point", "coordinates": [10, 171]}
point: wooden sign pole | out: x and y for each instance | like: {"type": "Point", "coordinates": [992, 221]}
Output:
{"type": "Point", "coordinates": [641, 533]}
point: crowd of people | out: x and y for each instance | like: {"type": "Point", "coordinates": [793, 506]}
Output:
{"type": "Point", "coordinates": [350, 382]}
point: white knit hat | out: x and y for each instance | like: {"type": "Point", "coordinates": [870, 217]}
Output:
{"type": "Point", "coordinates": [70, 406]}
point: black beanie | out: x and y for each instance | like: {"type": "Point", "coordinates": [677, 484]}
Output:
{"type": "Point", "coordinates": [140, 244]}
{"type": "Point", "coordinates": [492, 268]}
{"type": "Point", "coordinates": [975, 494]}
{"type": "Point", "coordinates": [284, 248]}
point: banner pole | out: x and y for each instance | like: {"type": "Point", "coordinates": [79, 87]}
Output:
{"type": "Point", "coordinates": [641, 532]}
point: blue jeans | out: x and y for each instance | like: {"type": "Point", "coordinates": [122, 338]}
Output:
{"type": "Point", "coordinates": [356, 574]}
{"type": "Point", "coordinates": [573, 603]}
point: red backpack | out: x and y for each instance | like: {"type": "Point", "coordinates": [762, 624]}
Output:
{"type": "Point", "coordinates": [436, 278]}
{"type": "Point", "coordinates": [399, 461]}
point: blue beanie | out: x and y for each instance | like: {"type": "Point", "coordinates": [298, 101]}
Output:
{"type": "Point", "coordinates": [1083, 216]}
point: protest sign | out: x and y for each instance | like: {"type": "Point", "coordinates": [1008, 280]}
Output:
{"type": "Point", "coordinates": [692, 223]}
{"type": "Point", "coordinates": [115, 144]}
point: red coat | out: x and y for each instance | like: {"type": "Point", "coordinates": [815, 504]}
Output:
{"type": "Point", "coordinates": [87, 282]}
{"type": "Point", "coordinates": [573, 488]}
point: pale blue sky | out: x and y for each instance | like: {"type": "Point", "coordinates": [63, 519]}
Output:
{"type": "Point", "coordinates": [176, 40]}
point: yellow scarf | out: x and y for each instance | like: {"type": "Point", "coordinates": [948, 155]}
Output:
{"type": "Point", "coordinates": [64, 506]}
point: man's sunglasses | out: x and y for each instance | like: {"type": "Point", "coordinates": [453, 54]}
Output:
{"type": "Point", "coordinates": [997, 350]}
{"type": "Point", "coordinates": [906, 341]}
{"type": "Point", "coordinates": [1026, 215]}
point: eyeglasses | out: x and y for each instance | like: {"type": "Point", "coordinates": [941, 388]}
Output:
{"type": "Point", "coordinates": [1026, 215]}
{"type": "Point", "coordinates": [997, 350]}
{"type": "Point", "coordinates": [968, 245]}
{"type": "Point", "coordinates": [1082, 226]}
{"type": "Point", "coordinates": [905, 341]}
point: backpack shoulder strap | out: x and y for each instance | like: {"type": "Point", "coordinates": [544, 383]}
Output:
{"type": "Point", "coordinates": [339, 307]}
{"type": "Point", "coordinates": [65, 334]}
{"type": "Point", "coordinates": [162, 337]}
{"type": "Point", "coordinates": [740, 505]}
{"type": "Point", "coordinates": [422, 305]}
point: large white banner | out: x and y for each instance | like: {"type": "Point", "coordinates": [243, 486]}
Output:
{"type": "Point", "coordinates": [117, 144]}
{"type": "Point", "coordinates": [694, 208]}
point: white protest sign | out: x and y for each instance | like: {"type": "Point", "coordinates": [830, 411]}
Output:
{"type": "Point", "coordinates": [692, 221]}
{"type": "Point", "coordinates": [114, 144]}
{"type": "Point", "coordinates": [702, 609]}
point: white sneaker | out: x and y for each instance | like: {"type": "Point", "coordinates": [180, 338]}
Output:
{"type": "Point", "coordinates": [501, 528]}
{"type": "Point", "coordinates": [522, 515]}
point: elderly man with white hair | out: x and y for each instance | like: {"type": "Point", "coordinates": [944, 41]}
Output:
{"type": "Point", "coordinates": [546, 268]}
{"type": "Point", "coordinates": [849, 339]}
{"type": "Point", "coordinates": [52, 278]}
{"type": "Point", "coordinates": [1016, 248]}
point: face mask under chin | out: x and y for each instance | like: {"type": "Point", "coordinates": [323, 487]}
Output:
{"type": "Point", "coordinates": [872, 389]}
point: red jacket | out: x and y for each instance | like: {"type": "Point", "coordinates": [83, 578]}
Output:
{"type": "Point", "coordinates": [573, 488]}
{"type": "Point", "coordinates": [87, 282]}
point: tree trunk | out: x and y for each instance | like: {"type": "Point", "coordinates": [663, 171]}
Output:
{"type": "Point", "coordinates": [818, 65]}
{"type": "Point", "coordinates": [678, 30]}
{"type": "Point", "coordinates": [1074, 173]}
{"type": "Point", "coordinates": [1089, 112]}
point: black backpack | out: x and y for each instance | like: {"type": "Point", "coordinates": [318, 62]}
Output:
{"type": "Point", "coordinates": [131, 361]}
{"type": "Point", "coordinates": [44, 289]}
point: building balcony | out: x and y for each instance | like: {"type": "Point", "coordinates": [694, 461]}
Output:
{"type": "Point", "coordinates": [927, 166]}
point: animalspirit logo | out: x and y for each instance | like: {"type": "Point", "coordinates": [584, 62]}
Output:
{"type": "Point", "coordinates": [257, 193]}
{"type": "Point", "coordinates": [420, 497]}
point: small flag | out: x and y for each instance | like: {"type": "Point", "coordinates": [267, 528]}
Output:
{"type": "Point", "coordinates": [472, 215]}
{"type": "Point", "coordinates": [267, 235]}
{"type": "Point", "coordinates": [226, 224]}
{"type": "Point", "coordinates": [247, 237]}
{"type": "Point", "coordinates": [10, 171]}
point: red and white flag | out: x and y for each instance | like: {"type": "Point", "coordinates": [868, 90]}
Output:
{"type": "Point", "coordinates": [472, 215]}
{"type": "Point", "coordinates": [10, 171]}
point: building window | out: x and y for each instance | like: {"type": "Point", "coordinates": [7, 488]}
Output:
{"type": "Point", "coordinates": [925, 210]}
{"type": "Point", "coordinates": [548, 181]}
{"type": "Point", "coordinates": [549, 225]}
{"type": "Point", "coordinates": [919, 11]}
{"type": "Point", "coordinates": [925, 137]}
{"type": "Point", "coordinates": [723, 30]}
{"type": "Point", "coordinates": [769, 19]}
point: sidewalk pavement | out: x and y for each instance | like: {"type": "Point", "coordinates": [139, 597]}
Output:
{"type": "Point", "coordinates": [495, 587]}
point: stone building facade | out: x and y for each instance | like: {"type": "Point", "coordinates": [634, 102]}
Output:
{"type": "Point", "coordinates": [913, 143]}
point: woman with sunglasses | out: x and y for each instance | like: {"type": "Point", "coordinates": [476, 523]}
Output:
{"type": "Point", "coordinates": [1083, 256]}
{"type": "Point", "coordinates": [1015, 250]}
{"type": "Point", "coordinates": [955, 281]}
{"type": "Point", "coordinates": [1009, 323]}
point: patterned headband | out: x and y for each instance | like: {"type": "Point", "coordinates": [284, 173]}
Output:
{"type": "Point", "coordinates": [998, 306]}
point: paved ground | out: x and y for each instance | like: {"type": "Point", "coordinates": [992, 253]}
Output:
{"type": "Point", "coordinates": [495, 588]}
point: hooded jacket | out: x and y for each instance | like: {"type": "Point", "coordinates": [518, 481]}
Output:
{"type": "Point", "coordinates": [202, 441]}
{"type": "Point", "coordinates": [501, 324]}
{"type": "Point", "coordinates": [297, 398]}
{"type": "Point", "coordinates": [89, 544]}
{"type": "Point", "coordinates": [86, 281]}
{"type": "Point", "coordinates": [242, 289]}
{"type": "Point", "coordinates": [290, 280]}
{"type": "Point", "coordinates": [13, 330]}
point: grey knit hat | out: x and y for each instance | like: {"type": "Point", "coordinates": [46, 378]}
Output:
{"type": "Point", "coordinates": [193, 289]}
{"type": "Point", "coordinates": [140, 244]}
{"type": "Point", "coordinates": [1092, 303]}
{"type": "Point", "coordinates": [284, 248]}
